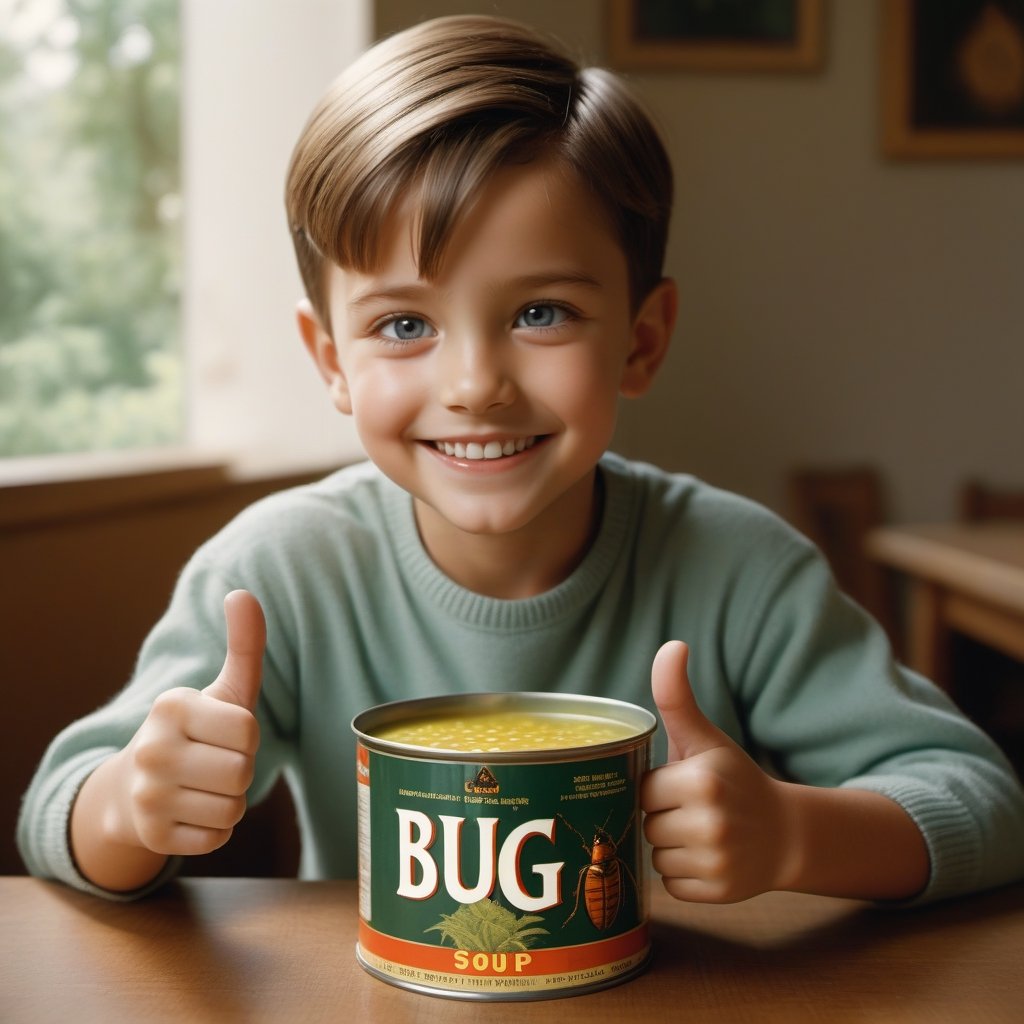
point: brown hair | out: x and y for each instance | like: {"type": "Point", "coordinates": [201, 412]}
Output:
{"type": "Point", "coordinates": [441, 106]}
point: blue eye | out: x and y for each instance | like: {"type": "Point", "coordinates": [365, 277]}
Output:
{"type": "Point", "coordinates": [406, 328]}
{"type": "Point", "coordinates": [543, 314]}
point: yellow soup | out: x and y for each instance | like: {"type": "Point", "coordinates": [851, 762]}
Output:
{"type": "Point", "coordinates": [499, 731]}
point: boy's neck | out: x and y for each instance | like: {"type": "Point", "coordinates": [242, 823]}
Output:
{"type": "Point", "coordinates": [521, 563]}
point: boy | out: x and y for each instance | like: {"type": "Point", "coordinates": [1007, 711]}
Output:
{"type": "Point", "coordinates": [481, 227]}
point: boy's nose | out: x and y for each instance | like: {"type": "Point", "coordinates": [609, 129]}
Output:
{"type": "Point", "coordinates": [474, 379]}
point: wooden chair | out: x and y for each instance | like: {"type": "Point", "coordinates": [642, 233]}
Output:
{"type": "Point", "coordinates": [996, 701]}
{"type": "Point", "coordinates": [836, 507]}
{"type": "Point", "coordinates": [977, 502]}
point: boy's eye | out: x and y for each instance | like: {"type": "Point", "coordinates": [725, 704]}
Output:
{"type": "Point", "coordinates": [406, 328]}
{"type": "Point", "coordinates": [543, 314]}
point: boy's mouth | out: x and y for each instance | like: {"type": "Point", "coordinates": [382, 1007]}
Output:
{"type": "Point", "coordinates": [482, 450]}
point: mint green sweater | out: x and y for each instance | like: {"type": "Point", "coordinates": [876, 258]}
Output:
{"type": "Point", "coordinates": [357, 615]}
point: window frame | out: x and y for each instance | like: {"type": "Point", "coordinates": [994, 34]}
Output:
{"type": "Point", "coordinates": [255, 404]}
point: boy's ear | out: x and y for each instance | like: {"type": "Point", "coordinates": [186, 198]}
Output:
{"type": "Point", "coordinates": [650, 337]}
{"type": "Point", "coordinates": [324, 353]}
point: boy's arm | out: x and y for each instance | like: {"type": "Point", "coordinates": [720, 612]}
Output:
{"type": "Point", "coordinates": [179, 786]}
{"type": "Point", "coordinates": [724, 830]}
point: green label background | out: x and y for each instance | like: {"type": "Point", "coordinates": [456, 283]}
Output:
{"type": "Point", "coordinates": [544, 785]}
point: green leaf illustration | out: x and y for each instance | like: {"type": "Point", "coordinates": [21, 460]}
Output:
{"type": "Point", "coordinates": [487, 927]}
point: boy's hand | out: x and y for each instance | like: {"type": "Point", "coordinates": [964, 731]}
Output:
{"type": "Point", "coordinates": [717, 822]}
{"type": "Point", "coordinates": [186, 771]}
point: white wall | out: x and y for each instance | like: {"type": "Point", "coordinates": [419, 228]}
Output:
{"type": "Point", "coordinates": [255, 68]}
{"type": "Point", "coordinates": [836, 306]}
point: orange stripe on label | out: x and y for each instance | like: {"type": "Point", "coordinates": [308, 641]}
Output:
{"type": "Point", "coordinates": [533, 962]}
{"type": "Point", "coordinates": [362, 764]}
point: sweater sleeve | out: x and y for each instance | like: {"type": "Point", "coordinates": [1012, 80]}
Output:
{"type": "Point", "coordinates": [825, 699]}
{"type": "Point", "coordinates": [185, 648]}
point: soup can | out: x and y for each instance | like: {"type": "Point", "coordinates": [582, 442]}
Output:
{"type": "Point", "coordinates": [501, 853]}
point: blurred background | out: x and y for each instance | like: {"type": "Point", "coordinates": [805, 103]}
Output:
{"type": "Point", "coordinates": [849, 305]}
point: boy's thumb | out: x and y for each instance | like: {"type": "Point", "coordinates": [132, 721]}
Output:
{"type": "Point", "coordinates": [689, 731]}
{"type": "Point", "coordinates": [240, 678]}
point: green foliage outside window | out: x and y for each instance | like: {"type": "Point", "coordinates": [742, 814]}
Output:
{"type": "Point", "coordinates": [90, 207]}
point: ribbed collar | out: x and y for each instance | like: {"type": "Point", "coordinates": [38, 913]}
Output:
{"type": "Point", "coordinates": [479, 611]}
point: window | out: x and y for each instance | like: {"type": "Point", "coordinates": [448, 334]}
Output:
{"type": "Point", "coordinates": [90, 210]}
{"type": "Point", "coordinates": [147, 283]}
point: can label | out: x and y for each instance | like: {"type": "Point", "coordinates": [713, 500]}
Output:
{"type": "Point", "coordinates": [499, 880]}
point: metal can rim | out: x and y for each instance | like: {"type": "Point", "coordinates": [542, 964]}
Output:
{"type": "Point", "coordinates": [624, 712]}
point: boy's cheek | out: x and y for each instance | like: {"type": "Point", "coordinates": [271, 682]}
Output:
{"type": "Point", "coordinates": [590, 402]}
{"type": "Point", "coordinates": [382, 402]}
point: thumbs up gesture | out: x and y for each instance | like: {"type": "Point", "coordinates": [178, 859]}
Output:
{"type": "Point", "coordinates": [718, 823]}
{"type": "Point", "coordinates": [186, 771]}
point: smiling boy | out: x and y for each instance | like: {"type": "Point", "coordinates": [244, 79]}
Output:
{"type": "Point", "coordinates": [490, 392]}
{"type": "Point", "coordinates": [481, 228]}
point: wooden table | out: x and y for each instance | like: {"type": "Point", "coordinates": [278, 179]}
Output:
{"type": "Point", "coordinates": [263, 950]}
{"type": "Point", "coordinates": [967, 578]}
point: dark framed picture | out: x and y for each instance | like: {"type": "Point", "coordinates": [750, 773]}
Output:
{"type": "Point", "coordinates": [716, 35]}
{"type": "Point", "coordinates": [952, 78]}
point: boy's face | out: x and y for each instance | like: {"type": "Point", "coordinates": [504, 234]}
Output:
{"type": "Point", "coordinates": [518, 352]}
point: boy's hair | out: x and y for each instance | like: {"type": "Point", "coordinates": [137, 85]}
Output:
{"type": "Point", "coordinates": [438, 108]}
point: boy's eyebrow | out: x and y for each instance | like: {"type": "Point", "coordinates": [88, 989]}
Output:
{"type": "Point", "coordinates": [542, 280]}
{"type": "Point", "coordinates": [411, 292]}
{"type": "Point", "coordinates": [401, 293]}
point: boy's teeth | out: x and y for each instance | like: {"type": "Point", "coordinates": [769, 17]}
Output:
{"type": "Point", "coordinates": [490, 450]}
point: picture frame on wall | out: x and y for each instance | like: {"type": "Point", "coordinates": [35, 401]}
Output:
{"type": "Point", "coordinates": [716, 35]}
{"type": "Point", "coordinates": [952, 78]}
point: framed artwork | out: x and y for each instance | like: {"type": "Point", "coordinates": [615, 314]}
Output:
{"type": "Point", "coordinates": [952, 78]}
{"type": "Point", "coordinates": [716, 35]}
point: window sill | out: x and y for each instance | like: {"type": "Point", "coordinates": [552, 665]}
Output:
{"type": "Point", "coordinates": [59, 488]}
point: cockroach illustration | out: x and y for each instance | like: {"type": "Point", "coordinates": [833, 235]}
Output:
{"type": "Point", "coordinates": [600, 881]}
